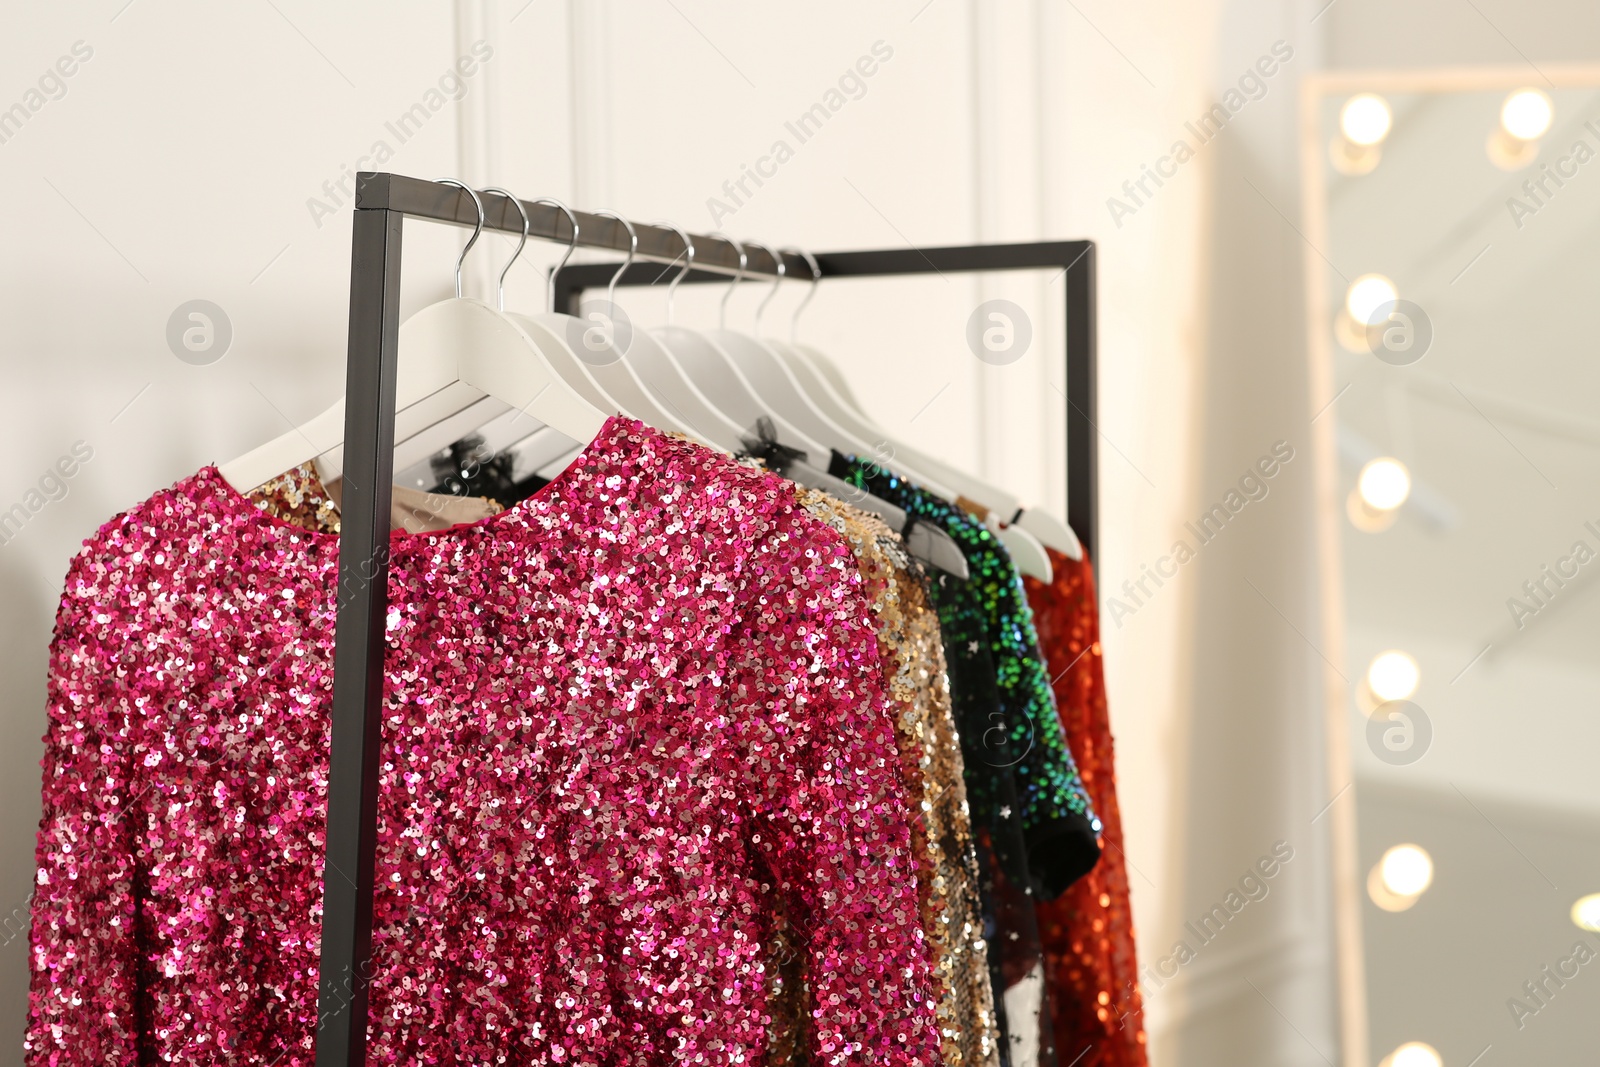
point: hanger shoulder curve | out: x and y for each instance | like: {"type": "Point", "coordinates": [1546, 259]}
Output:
{"type": "Point", "coordinates": [772, 381]}
{"type": "Point", "coordinates": [1026, 552]}
{"type": "Point", "coordinates": [659, 370]}
{"type": "Point", "coordinates": [1052, 531]}
{"type": "Point", "coordinates": [422, 371]}
{"type": "Point", "coordinates": [724, 384]}
{"type": "Point", "coordinates": [605, 366]}
{"type": "Point", "coordinates": [504, 358]}
{"type": "Point", "coordinates": [286, 451]}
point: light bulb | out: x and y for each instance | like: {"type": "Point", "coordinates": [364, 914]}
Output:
{"type": "Point", "coordinates": [1365, 118]}
{"type": "Point", "coordinates": [1407, 870]}
{"type": "Point", "coordinates": [1526, 114]}
{"type": "Point", "coordinates": [1393, 675]}
{"type": "Point", "coordinates": [1586, 912]}
{"type": "Point", "coordinates": [1367, 294]}
{"type": "Point", "coordinates": [1384, 484]}
{"type": "Point", "coordinates": [1414, 1054]}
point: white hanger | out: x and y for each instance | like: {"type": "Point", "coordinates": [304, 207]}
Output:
{"type": "Point", "coordinates": [868, 440]}
{"type": "Point", "coordinates": [453, 341]}
{"type": "Point", "coordinates": [772, 382]}
{"type": "Point", "coordinates": [659, 370]}
{"type": "Point", "coordinates": [1030, 527]}
{"type": "Point", "coordinates": [828, 390]}
{"type": "Point", "coordinates": [781, 394]}
{"type": "Point", "coordinates": [600, 359]}
{"type": "Point", "coordinates": [1025, 538]}
{"type": "Point", "coordinates": [722, 382]}
{"type": "Point", "coordinates": [605, 383]}
{"type": "Point", "coordinates": [565, 362]}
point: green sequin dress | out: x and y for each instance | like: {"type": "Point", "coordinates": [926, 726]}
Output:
{"type": "Point", "coordinates": [1035, 826]}
{"type": "Point", "coordinates": [1024, 731]}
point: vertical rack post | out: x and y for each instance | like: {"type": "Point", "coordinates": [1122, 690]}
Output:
{"type": "Point", "coordinates": [1083, 445]}
{"type": "Point", "coordinates": [363, 592]}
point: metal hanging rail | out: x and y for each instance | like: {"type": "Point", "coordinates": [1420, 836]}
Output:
{"type": "Point", "coordinates": [383, 202]}
{"type": "Point", "coordinates": [447, 203]}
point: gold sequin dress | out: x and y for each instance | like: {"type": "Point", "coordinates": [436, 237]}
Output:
{"type": "Point", "coordinates": [930, 751]}
{"type": "Point", "coordinates": [299, 497]}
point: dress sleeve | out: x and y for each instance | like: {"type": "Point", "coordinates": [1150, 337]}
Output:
{"type": "Point", "coordinates": [830, 822]}
{"type": "Point", "coordinates": [82, 960]}
{"type": "Point", "coordinates": [1058, 817]}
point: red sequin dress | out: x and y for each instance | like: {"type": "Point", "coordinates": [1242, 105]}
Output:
{"type": "Point", "coordinates": [1088, 930]}
{"type": "Point", "coordinates": [627, 722]}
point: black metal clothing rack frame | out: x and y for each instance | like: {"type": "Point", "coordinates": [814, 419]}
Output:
{"type": "Point", "coordinates": [383, 202]}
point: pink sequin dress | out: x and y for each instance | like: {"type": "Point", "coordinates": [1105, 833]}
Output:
{"type": "Point", "coordinates": [626, 722]}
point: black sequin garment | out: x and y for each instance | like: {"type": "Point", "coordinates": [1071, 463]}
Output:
{"type": "Point", "coordinates": [1024, 731]}
{"type": "Point", "coordinates": [1032, 818]}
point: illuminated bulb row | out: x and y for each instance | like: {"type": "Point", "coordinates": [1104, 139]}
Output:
{"type": "Point", "coordinates": [1384, 483]}
{"type": "Point", "coordinates": [1404, 873]}
{"type": "Point", "coordinates": [1397, 880]}
{"type": "Point", "coordinates": [1366, 119]}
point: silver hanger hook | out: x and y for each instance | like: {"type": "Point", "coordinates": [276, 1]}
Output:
{"type": "Point", "coordinates": [775, 282]}
{"type": "Point", "coordinates": [688, 265]}
{"type": "Point", "coordinates": [462, 258]}
{"type": "Point", "coordinates": [500, 289]}
{"type": "Point", "coordinates": [633, 248]}
{"type": "Point", "coordinates": [550, 284]}
{"type": "Point", "coordinates": [744, 261]}
{"type": "Point", "coordinates": [816, 279]}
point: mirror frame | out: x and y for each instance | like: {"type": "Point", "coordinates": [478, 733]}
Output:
{"type": "Point", "coordinates": [1348, 886]}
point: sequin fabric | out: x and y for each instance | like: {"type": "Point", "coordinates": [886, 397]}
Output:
{"type": "Point", "coordinates": [298, 497]}
{"type": "Point", "coordinates": [930, 752]}
{"type": "Point", "coordinates": [1056, 814]}
{"type": "Point", "coordinates": [1088, 932]}
{"type": "Point", "coordinates": [621, 720]}
{"type": "Point", "coordinates": [1010, 926]}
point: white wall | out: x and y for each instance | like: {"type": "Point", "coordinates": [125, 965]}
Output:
{"type": "Point", "coordinates": [181, 161]}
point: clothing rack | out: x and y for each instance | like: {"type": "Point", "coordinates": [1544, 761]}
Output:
{"type": "Point", "coordinates": [382, 204]}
